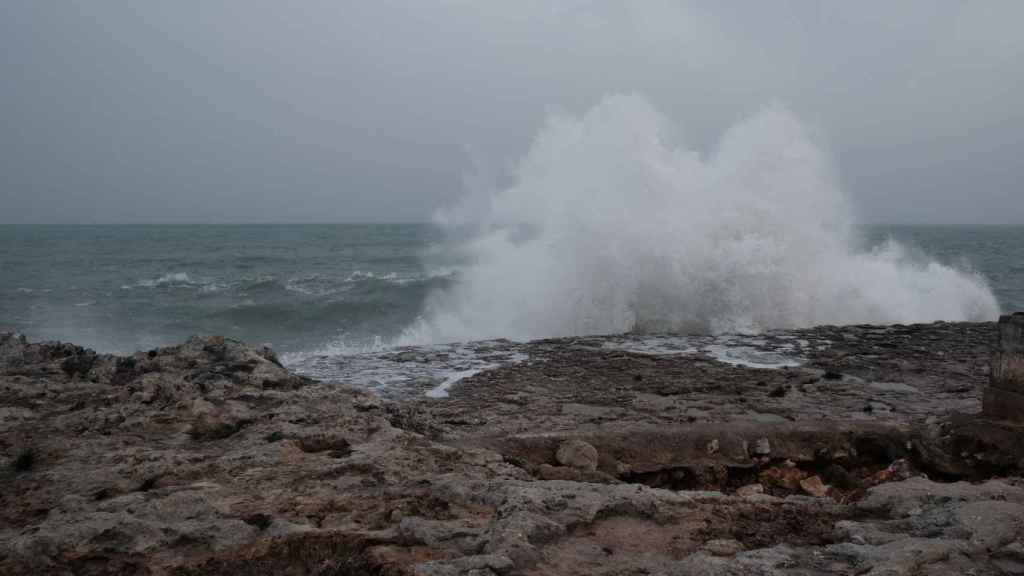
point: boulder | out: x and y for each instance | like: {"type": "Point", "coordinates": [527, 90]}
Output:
{"type": "Point", "coordinates": [577, 454]}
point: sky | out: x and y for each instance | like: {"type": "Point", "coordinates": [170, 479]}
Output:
{"type": "Point", "coordinates": [336, 111]}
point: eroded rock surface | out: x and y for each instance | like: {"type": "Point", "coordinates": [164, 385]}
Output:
{"type": "Point", "coordinates": [211, 458]}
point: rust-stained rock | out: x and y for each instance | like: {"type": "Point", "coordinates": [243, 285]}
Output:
{"type": "Point", "coordinates": [787, 477]}
{"type": "Point", "coordinates": [814, 486]}
{"type": "Point", "coordinates": [898, 470]}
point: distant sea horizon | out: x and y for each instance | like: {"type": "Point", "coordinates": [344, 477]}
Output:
{"type": "Point", "coordinates": [420, 222]}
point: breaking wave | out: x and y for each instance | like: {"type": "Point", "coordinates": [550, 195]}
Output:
{"type": "Point", "coordinates": [315, 285]}
{"type": "Point", "coordinates": [173, 279]}
{"type": "Point", "coordinates": [612, 226]}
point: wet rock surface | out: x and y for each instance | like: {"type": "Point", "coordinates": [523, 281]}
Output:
{"type": "Point", "coordinates": [870, 457]}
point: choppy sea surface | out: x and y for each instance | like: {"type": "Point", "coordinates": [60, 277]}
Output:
{"type": "Point", "coordinates": [328, 298]}
{"type": "Point", "coordinates": [125, 288]}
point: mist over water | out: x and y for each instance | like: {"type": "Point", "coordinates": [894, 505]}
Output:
{"type": "Point", "coordinates": [614, 224]}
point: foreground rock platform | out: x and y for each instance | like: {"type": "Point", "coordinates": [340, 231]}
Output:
{"type": "Point", "coordinates": [211, 458]}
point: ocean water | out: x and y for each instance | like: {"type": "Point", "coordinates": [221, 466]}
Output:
{"type": "Point", "coordinates": [610, 224]}
{"type": "Point", "coordinates": [343, 301]}
{"type": "Point", "coordinates": [996, 252]}
{"type": "Point", "coordinates": [123, 288]}
{"type": "Point", "coordinates": [306, 288]}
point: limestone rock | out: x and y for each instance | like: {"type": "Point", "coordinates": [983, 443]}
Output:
{"type": "Point", "coordinates": [210, 458]}
{"type": "Point", "coordinates": [762, 447]}
{"type": "Point", "coordinates": [749, 490]}
{"type": "Point", "coordinates": [723, 547]}
{"type": "Point", "coordinates": [577, 454]}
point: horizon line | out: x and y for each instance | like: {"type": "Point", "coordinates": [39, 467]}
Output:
{"type": "Point", "coordinates": [402, 222]}
{"type": "Point", "coordinates": [226, 223]}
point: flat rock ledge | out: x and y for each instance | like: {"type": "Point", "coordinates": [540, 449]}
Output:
{"type": "Point", "coordinates": [211, 458]}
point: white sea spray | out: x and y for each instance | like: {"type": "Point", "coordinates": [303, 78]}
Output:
{"type": "Point", "coordinates": [612, 225]}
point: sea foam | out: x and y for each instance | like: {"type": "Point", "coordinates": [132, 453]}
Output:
{"type": "Point", "coordinates": [612, 226]}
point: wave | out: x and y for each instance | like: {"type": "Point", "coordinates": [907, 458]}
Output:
{"type": "Point", "coordinates": [360, 275]}
{"type": "Point", "coordinates": [177, 280]}
{"type": "Point", "coordinates": [173, 278]}
{"type": "Point", "coordinates": [315, 285]}
{"type": "Point", "coordinates": [310, 285]}
{"type": "Point", "coordinates": [440, 273]}
{"type": "Point", "coordinates": [312, 307]}
{"type": "Point", "coordinates": [611, 226]}
{"type": "Point", "coordinates": [342, 346]}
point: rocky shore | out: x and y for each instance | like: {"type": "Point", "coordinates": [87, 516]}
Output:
{"type": "Point", "coordinates": [871, 457]}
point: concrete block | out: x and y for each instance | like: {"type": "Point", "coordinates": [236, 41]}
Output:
{"type": "Point", "coordinates": [1004, 397]}
{"type": "Point", "coordinates": [1008, 372]}
{"type": "Point", "coordinates": [1003, 404]}
{"type": "Point", "coordinates": [1011, 333]}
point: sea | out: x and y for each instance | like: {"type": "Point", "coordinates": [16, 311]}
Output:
{"type": "Point", "coordinates": [334, 300]}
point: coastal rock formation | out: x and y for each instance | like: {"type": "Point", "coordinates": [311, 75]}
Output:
{"type": "Point", "coordinates": [211, 458]}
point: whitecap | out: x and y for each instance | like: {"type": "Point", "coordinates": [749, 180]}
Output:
{"type": "Point", "coordinates": [177, 280]}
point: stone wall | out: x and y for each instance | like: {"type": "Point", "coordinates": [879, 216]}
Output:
{"type": "Point", "coordinates": [1004, 397]}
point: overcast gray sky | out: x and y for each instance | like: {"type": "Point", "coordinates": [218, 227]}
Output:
{"type": "Point", "coordinates": [128, 111]}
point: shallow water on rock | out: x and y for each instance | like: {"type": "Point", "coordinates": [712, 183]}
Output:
{"type": "Point", "coordinates": [434, 369]}
{"type": "Point", "coordinates": [396, 371]}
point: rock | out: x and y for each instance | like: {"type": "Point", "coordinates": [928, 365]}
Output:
{"type": "Point", "coordinates": [549, 472]}
{"type": "Point", "coordinates": [577, 454]}
{"type": "Point", "coordinates": [1010, 558]}
{"type": "Point", "coordinates": [814, 486]}
{"type": "Point", "coordinates": [895, 387]}
{"type": "Point", "coordinates": [749, 490]}
{"type": "Point", "coordinates": [723, 547]}
{"type": "Point", "coordinates": [712, 447]}
{"type": "Point", "coordinates": [785, 477]}
{"type": "Point", "coordinates": [483, 564]}
{"type": "Point", "coordinates": [1004, 404]}
{"type": "Point", "coordinates": [840, 477]}
{"type": "Point", "coordinates": [898, 470]}
{"type": "Point", "coordinates": [880, 407]}
{"type": "Point", "coordinates": [214, 423]}
{"type": "Point", "coordinates": [762, 447]}
{"type": "Point", "coordinates": [210, 458]}
{"type": "Point", "coordinates": [964, 446]}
